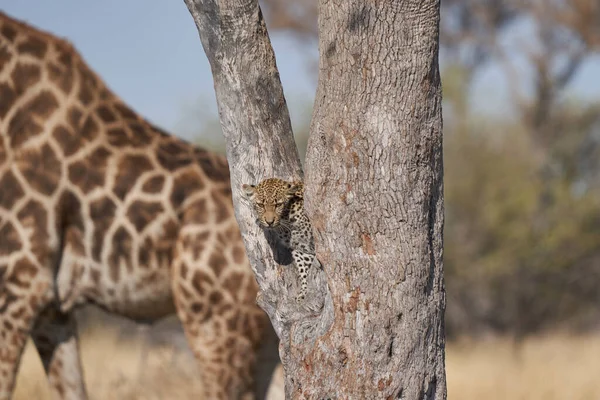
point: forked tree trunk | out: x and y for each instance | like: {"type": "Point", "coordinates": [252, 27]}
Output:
{"type": "Point", "coordinates": [373, 327]}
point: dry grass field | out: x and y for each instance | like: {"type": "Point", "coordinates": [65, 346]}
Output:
{"type": "Point", "coordinates": [554, 367]}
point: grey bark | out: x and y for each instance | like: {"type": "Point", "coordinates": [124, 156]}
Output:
{"type": "Point", "coordinates": [374, 194]}
{"type": "Point", "coordinates": [374, 325]}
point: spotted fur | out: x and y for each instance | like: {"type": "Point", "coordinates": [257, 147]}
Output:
{"type": "Point", "coordinates": [279, 207]}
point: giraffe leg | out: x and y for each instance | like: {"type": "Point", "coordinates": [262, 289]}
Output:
{"type": "Point", "coordinates": [55, 337]}
{"type": "Point", "coordinates": [226, 358]}
{"type": "Point", "coordinates": [223, 330]}
{"type": "Point", "coordinates": [24, 291]}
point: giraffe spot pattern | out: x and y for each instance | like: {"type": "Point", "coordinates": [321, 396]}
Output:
{"type": "Point", "coordinates": [89, 131]}
{"type": "Point", "coordinates": [23, 124]}
{"type": "Point", "coordinates": [23, 271]}
{"type": "Point", "coordinates": [74, 115]}
{"type": "Point", "coordinates": [232, 283]}
{"type": "Point", "coordinates": [125, 112]}
{"type": "Point", "coordinates": [8, 96]}
{"type": "Point", "coordinates": [63, 80]}
{"type": "Point", "coordinates": [173, 155]}
{"type": "Point", "coordinates": [117, 137]}
{"type": "Point", "coordinates": [221, 207]}
{"type": "Point", "coordinates": [215, 169]}
{"type": "Point", "coordinates": [145, 253]}
{"type": "Point", "coordinates": [24, 76]}
{"type": "Point", "coordinates": [34, 47]}
{"type": "Point", "coordinates": [217, 263]}
{"type": "Point", "coordinates": [8, 32]}
{"type": "Point", "coordinates": [86, 93]}
{"type": "Point", "coordinates": [34, 217]}
{"type": "Point", "coordinates": [154, 184]}
{"type": "Point", "coordinates": [106, 114]}
{"type": "Point", "coordinates": [163, 247]}
{"type": "Point", "coordinates": [41, 168]}
{"type": "Point", "coordinates": [200, 280]}
{"type": "Point", "coordinates": [5, 57]}
{"type": "Point", "coordinates": [102, 212]}
{"type": "Point", "coordinates": [185, 184]}
{"type": "Point", "coordinates": [141, 213]}
{"type": "Point", "coordinates": [195, 213]}
{"type": "Point", "coordinates": [68, 141]}
{"type": "Point", "coordinates": [10, 191]}
{"type": "Point", "coordinates": [239, 254]}
{"type": "Point", "coordinates": [130, 168]}
{"type": "Point", "coordinates": [139, 134]}
{"type": "Point", "coordinates": [120, 253]}
{"type": "Point", "coordinates": [92, 114]}
{"type": "Point", "coordinates": [90, 173]}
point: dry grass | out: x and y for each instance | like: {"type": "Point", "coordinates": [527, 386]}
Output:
{"type": "Point", "coordinates": [113, 370]}
{"type": "Point", "coordinates": [555, 367]}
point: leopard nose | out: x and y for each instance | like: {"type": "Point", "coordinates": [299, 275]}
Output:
{"type": "Point", "coordinates": [269, 219]}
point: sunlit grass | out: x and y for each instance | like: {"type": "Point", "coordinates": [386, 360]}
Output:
{"type": "Point", "coordinates": [553, 367]}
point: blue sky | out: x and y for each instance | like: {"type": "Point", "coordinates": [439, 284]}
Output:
{"type": "Point", "coordinates": [149, 53]}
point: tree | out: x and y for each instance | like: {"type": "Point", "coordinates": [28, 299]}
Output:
{"type": "Point", "coordinates": [374, 325]}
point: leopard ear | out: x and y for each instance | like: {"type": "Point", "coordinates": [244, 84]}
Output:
{"type": "Point", "coordinates": [294, 189]}
{"type": "Point", "coordinates": [248, 190]}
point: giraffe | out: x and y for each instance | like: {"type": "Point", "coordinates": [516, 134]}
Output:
{"type": "Point", "coordinates": [98, 206]}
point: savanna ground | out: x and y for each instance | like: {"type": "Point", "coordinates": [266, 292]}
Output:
{"type": "Point", "coordinates": [139, 365]}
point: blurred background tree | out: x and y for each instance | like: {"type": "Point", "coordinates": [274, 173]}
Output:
{"type": "Point", "coordinates": [522, 161]}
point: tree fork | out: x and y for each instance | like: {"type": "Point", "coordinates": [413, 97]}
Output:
{"type": "Point", "coordinates": [374, 192]}
{"type": "Point", "coordinates": [260, 144]}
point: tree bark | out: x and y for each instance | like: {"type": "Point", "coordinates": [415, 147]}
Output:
{"type": "Point", "coordinates": [259, 144]}
{"type": "Point", "coordinates": [374, 194]}
{"type": "Point", "coordinates": [374, 326]}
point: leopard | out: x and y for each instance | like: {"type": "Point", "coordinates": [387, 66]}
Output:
{"type": "Point", "coordinates": [279, 207]}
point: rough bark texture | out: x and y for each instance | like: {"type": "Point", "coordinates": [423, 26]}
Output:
{"type": "Point", "coordinates": [260, 144]}
{"type": "Point", "coordinates": [373, 192]}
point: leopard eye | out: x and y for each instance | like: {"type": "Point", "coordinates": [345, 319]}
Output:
{"type": "Point", "coordinates": [279, 203]}
{"type": "Point", "coordinates": [260, 204]}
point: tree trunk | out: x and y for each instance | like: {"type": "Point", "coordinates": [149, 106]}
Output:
{"type": "Point", "coordinates": [374, 194]}
{"type": "Point", "coordinates": [374, 325]}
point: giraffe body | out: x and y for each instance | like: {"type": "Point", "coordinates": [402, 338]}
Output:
{"type": "Point", "coordinates": [99, 206]}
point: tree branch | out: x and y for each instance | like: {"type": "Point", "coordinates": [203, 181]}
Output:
{"type": "Point", "coordinates": [260, 144]}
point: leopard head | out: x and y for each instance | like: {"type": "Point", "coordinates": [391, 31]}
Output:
{"type": "Point", "coordinates": [271, 199]}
